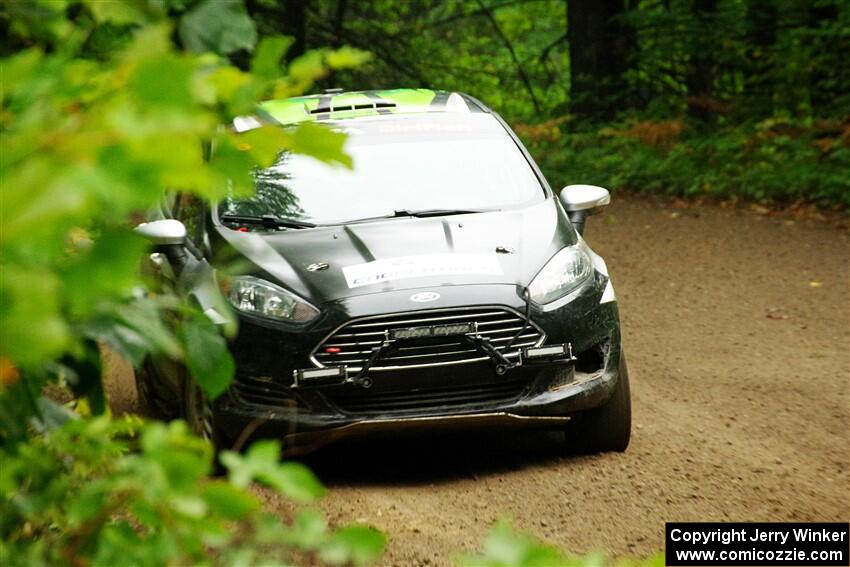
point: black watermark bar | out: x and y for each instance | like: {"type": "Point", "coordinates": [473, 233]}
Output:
{"type": "Point", "coordinates": [745, 543]}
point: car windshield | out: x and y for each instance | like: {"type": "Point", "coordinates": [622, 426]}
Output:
{"type": "Point", "coordinates": [404, 163]}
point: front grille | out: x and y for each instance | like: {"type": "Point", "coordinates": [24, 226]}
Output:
{"type": "Point", "coordinates": [360, 401]}
{"type": "Point", "coordinates": [356, 339]}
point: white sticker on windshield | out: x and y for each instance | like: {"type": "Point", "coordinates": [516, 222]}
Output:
{"type": "Point", "coordinates": [404, 267]}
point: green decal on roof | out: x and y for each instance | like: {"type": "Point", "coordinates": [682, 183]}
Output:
{"type": "Point", "coordinates": [353, 104]}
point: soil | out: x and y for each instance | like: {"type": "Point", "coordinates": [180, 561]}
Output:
{"type": "Point", "coordinates": [737, 329]}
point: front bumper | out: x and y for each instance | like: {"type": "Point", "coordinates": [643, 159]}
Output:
{"type": "Point", "coordinates": [468, 395]}
{"type": "Point", "coordinates": [554, 394]}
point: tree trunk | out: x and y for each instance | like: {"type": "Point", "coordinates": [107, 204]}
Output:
{"type": "Point", "coordinates": [761, 19]}
{"type": "Point", "coordinates": [700, 79]}
{"type": "Point", "coordinates": [829, 74]}
{"type": "Point", "coordinates": [285, 17]}
{"type": "Point", "coordinates": [337, 40]}
{"type": "Point", "coordinates": [601, 51]}
{"type": "Point", "coordinates": [295, 25]}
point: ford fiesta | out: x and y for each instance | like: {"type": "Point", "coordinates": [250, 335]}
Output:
{"type": "Point", "coordinates": [439, 283]}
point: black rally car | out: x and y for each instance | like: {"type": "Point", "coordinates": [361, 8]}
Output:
{"type": "Point", "coordinates": [439, 283]}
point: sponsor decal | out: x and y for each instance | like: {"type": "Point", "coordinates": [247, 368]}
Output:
{"type": "Point", "coordinates": [403, 267]}
{"type": "Point", "coordinates": [433, 331]}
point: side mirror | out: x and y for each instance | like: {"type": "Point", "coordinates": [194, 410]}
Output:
{"type": "Point", "coordinates": [584, 197]}
{"type": "Point", "coordinates": [169, 237]}
{"type": "Point", "coordinates": [583, 200]}
{"type": "Point", "coordinates": [165, 232]}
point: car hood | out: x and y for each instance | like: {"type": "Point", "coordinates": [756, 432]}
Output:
{"type": "Point", "coordinates": [499, 247]}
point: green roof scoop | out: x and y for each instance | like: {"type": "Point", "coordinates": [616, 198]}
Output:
{"type": "Point", "coordinates": [334, 104]}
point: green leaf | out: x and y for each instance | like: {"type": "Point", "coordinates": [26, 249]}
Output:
{"type": "Point", "coordinates": [504, 547]}
{"type": "Point", "coordinates": [126, 12]}
{"type": "Point", "coordinates": [307, 68]}
{"type": "Point", "coordinates": [163, 82]}
{"type": "Point", "coordinates": [32, 328]}
{"type": "Point", "coordinates": [229, 501]}
{"type": "Point", "coordinates": [266, 61]}
{"type": "Point", "coordinates": [260, 457]}
{"type": "Point", "coordinates": [88, 502]}
{"type": "Point", "coordinates": [17, 70]}
{"type": "Point", "coordinates": [184, 468]}
{"type": "Point", "coordinates": [321, 143]}
{"type": "Point", "coordinates": [189, 505]}
{"type": "Point", "coordinates": [179, 458]}
{"type": "Point", "coordinates": [234, 166]}
{"type": "Point", "coordinates": [106, 271]}
{"type": "Point", "coordinates": [346, 57]}
{"type": "Point", "coordinates": [42, 206]}
{"type": "Point", "coordinates": [150, 41]}
{"type": "Point", "coordinates": [261, 462]}
{"type": "Point", "coordinates": [294, 481]}
{"type": "Point", "coordinates": [225, 82]}
{"type": "Point", "coordinates": [220, 26]}
{"type": "Point", "coordinates": [354, 544]}
{"type": "Point", "coordinates": [265, 144]}
{"type": "Point", "coordinates": [207, 357]}
{"type": "Point", "coordinates": [309, 529]}
{"type": "Point", "coordinates": [134, 330]}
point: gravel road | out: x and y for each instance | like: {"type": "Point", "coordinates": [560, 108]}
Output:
{"type": "Point", "coordinates": [737, 328]}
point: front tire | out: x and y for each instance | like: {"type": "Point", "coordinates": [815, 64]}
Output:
{"type": "Point", "coordinates": [608, 427]}
{"type": "Point", "coordinates": [198, 412]}
{"type": "Point", "coordinates": [199, 416]}
{"type": "Point", "coordinates": [148, 402]}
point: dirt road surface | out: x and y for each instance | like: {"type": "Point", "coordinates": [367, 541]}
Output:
{"type": "Point", "coordinates": [738, 339]}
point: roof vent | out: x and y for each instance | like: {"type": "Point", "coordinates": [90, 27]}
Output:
{"type": "Point", "coordinates": [363, 106]}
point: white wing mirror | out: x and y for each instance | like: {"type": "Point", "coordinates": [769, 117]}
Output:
{"type": "Point", "coordinates": [583, 200]}
{"type": "Point", "coordinates": [169, 236]}
{"type": "Point", "coordinates": [584, 197]}
{"type": "Point", "coordinates": [163, 232]}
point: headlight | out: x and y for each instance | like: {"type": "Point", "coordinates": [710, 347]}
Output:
{"type": "Point", "coordinates": [259, 297]}
{"type": "Point", "coordinates": [563, 273]}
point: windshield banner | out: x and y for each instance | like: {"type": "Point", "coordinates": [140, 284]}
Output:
{"type": "Point", "coordinates": [405, 267]}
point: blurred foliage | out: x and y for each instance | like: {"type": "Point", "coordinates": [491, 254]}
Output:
{"type": "Point", "coordinates": [120, 492]}
{"type": "Point", "coordinates": [505, 547]}
{"type": "Point", "coordinates": [94, 131]}
{"type": "Point", "coordinates": [105, 107]}
{"type": "Point", "coordinates": [759, 88]}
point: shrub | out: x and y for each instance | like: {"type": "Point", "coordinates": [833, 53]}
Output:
{"type": "Point", "coordinates": [124, 492]}
{"type": "Point", "coordinates": [758, 162]}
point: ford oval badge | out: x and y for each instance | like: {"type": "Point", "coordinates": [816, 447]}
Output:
{"type": "Point", "coordinates": [424, 296]}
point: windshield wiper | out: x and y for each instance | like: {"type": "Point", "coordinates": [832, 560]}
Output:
{"type": "Point", "coordinates": [268, 221]}
{"type": "Point", "coordinates": [404, 213]}
{"type": "Point", "coordinates": [434, 212]}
